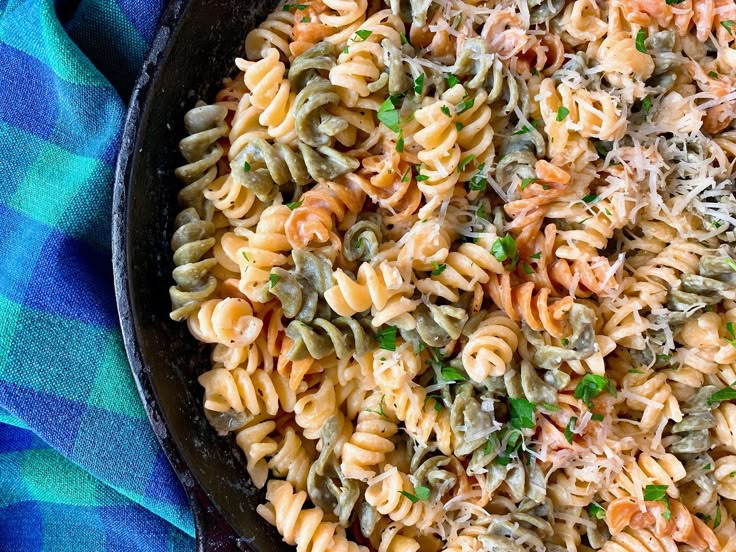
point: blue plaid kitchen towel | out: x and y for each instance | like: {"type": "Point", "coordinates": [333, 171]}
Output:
{"type": "Point", "coordinates": [80, 468]}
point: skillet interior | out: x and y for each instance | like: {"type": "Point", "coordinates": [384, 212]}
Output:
{"type": "Point", "coordinates": [193, 50]}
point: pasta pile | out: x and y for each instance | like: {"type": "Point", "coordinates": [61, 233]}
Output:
{"type": "Point", "coordinates": [468, 272]}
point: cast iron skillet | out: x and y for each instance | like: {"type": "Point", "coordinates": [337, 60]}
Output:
{"type": "Point", "coordinates": [193, 50]}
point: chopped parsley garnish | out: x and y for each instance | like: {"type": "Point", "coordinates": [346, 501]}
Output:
{"type": "Point", "coordinates": [273, 279]}
{"type": "Point", "coordinates": [407, 175]}
{"type": "Point", "coordinates": [646, 104]}
{"type": "Point", "coordinates": [505, 248]}
{"type": "Point", "coordinates": [446, 110]}
{"type": "Point", "coordinates": [717, 521]}
{"type": "Point", "coordinates": [419, 84]}
{"type": "Point", "coordinates": [346, 49]}
{"type": "Point", "coordinates": [388, 113]}
{"type": "Point", "coordinates": [245, 256]}
{"type": "Point", "coordinates": [400, 142]}
{"type": "Point", "coordinates": [480, 212]}
{"type": "Point", "coordinates": [640, 37]}
{"type": "Point", "coordinates": [601, 149]}
{"type": "Point", "coordinates": [730, 262]}
{"type": "Point", "coordinates": [294, 204]}
{"type": "Point", "coordinates": [465, 162]}
{"type": "Point", "coordinates": [526, 181]}
{"type": "Point", "coordinates": [478, 182]}
{"type": "Point", "coordinates": [452, 80]}
{"type": "Point", "coordinates": [527, 269]}
{"type": "Point", "coordinates": [535, 72]}
{"type": "Point", "coordinates": [437, 401]}
{"type": "Point", "coordinates": [513, 444]}
{"type": "Point", "coordinates": [363, 34]}
{"type": "Point", "coordinates": [438, 269]}
{"type": "Point", "coordinates": [597, 417]}
{"type": "Point", "coordinates": [449, 373]}
{"type": "Point", "coordinates": [591, 386]}
{"type": "Point", "coordinates": [305, 19]}
{"type": "Point", "coordinates": [663, 357]}
{"type": "Point", "coordinates": [387, 338]}
{"type": "Point", "coordinates": [526, 129]}
{"type": "Point", "coordinates": [590, 198]}
{"type": "Point", "coordinates": [562, 112]}
{"type": "Point", "coordinates": [725, 394]}
{"type": "Point", "coordinates": [595, 510]}
{"type": "Point", "coordinates": [565, 342]}
{"type": "Point", "coordinates": [659, 493]}
{"type": "Point", "coordinates": [421, 177]}
{"type": "Point", "coordinates": [713, 74]}
{"type": "Point", "coordinates": [522, 413]}
{"type": "Point", "coordinates": [458, 126]}
{"type": "Point", "coordinates": [671, 2]}
{"type": "Point", "coordinates": [420, 493]}
{"type": "Point", "coordinates": [463, 106]}
{"type": "Point", "coordinates": [537, 255]}
{"type": "Point", "coordinates": [287, 7]}
{"type": "Point", "coordinates": [379, 410]}
{"type": "Point", "coordinates": [246, 166]}
{"type": "Point", "coordinates": [728, 25]}
{"type": "Point", "coordinates": [550, 407]}
{"type": "Point", "coordinates": [405, 41]}
{"type": "Point", "coordinates": [730, 330]}
{"type": "Point", "coordinates": [568, 428]}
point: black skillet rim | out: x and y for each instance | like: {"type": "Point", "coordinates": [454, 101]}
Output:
{"type": "Point", "coordinates": [213, 532]}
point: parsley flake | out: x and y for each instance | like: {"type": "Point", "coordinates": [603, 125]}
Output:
{"type": "Point", "coordinates": [526, 129]}
{"type": "Point", "coordinates": [379, 410]}
{"type": "Point", "coordinates": [246, 166]}
{"type": "Point", "coordinates": [388, 113]}
{"type": "Point", "coordinates": [438, 269]}
{"type": "Point", "coordinates": [463, 106]}
{"type": "Point", "coordinates": [640, 37]}
{"type": "Point", "coordinates": [419, 84]}
{"type": "Point", "coordinates": [569, 427]}
{"type": "Point", "coordinates": [725, 394]}
{"type": "Point", "coordinates": [400, 142]}
{"type": "Point", "coordinates": [590, 198]}
{"type": "Point", "coordinates": [562, 112]}
{"type": "Point", "coordinates": [728, 25]}
{"type": "Point", "coordinates": [446, 110]}
{"type": "Point", "coordinates": [646, 104]}
{"type": "Point", "coordinates": [465, 162]}
{"type": "Point", "coordinates": [595, 510]}
{"type": "Point", "coordinates": [452, 80]}
{"type": "Point", "coordinates": [387, 338]}
{"type": "Point", "coordinates": [294, 204]}
{"type": "Point", "coordinates": [526, 181]}
{"type": "Point", "coordinates": [363, 34]}
{"type": "Point", "coordinates": [522, 413]}
{"type": "Point", "coordinates": [659, 493]}
{"type": "Point", "coordinates": [591, 386]}
{"type": "Point", "coordinates": [273, 279]}
{"type": "Point", "coordinates": [450, 374]}
{"type": "Point", "coordinates": [505, 248]}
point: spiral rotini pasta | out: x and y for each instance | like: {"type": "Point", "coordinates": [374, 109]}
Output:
{"type": "Point", "coordinates": [468, 271]}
